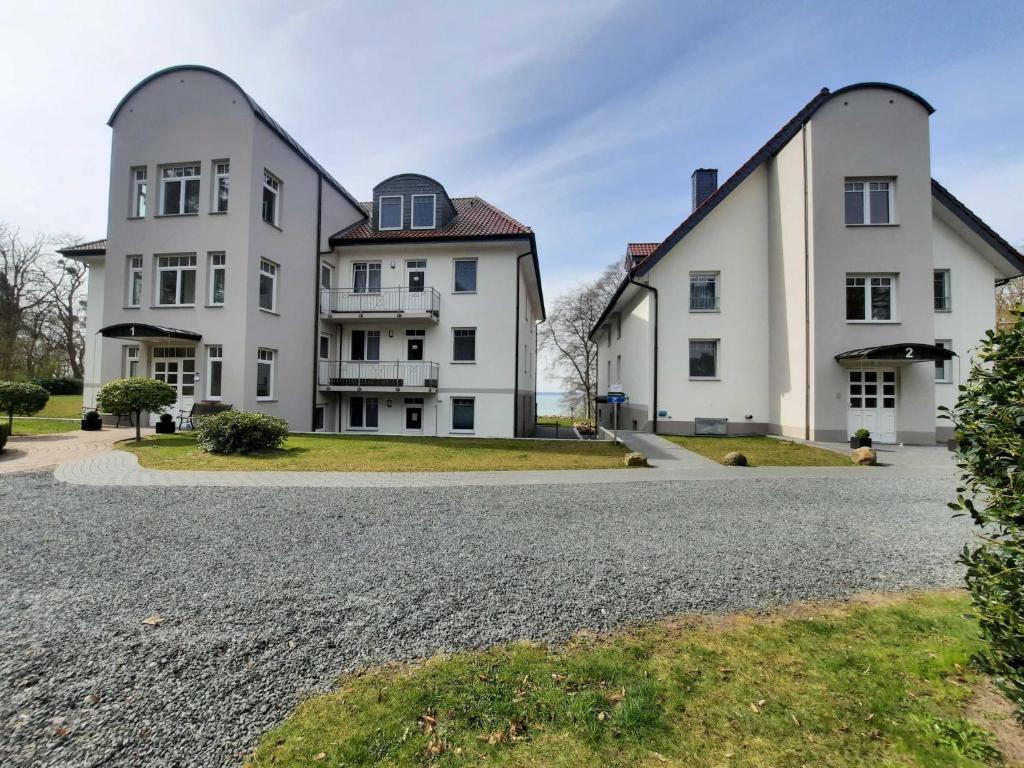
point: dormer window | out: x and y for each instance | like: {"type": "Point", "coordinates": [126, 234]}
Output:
{"type": "Point", "coordinates": [424, 211]}
{"type": "Point", "coordinates": [390, 212]}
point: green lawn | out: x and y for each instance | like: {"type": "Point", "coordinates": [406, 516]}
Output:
{"type": "Point", "coordinates": [379, 453]}
{"type": "Point", "coordinates": [562, 421]}
{"type": "Point", "coordinates": [762, 451]}
{"type": "Point", "coordinates": [62, 407]}
{"type": "Point", "coordinates": [42, 426]}
{"type": "Point", "coordinates": [882, 683]}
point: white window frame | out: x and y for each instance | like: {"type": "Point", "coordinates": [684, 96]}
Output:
{"type": "Point", "coordinates": [364, 428]}
{"type": "Point", "coordinates": [217, 263]}
{"type": "Point", "coordinates": [214, 354]}
{"type": "Point", "coordinates": [893, 297]}
{"type": "Point", "coordinates": [364, 266]}
{"type": "Point", "coordinates": [463, 362]}
{"type": "Point", "coordinates": [319, 346]}
{"type": "Point", "coordinates": [705, 274]}
{"type": "Point", "coordinates": [461, 431]}
{"type": "Point", "coordinates": [180, 269]}
{"type": "Point", "coordinates": [265, 356]}
{"type": "Point", "coordinates": [364, 351]}
{"type": "Point", "coordinates": [433, 212]}
{"type": "Point", "coordinates": [196, 172]}
{"type": "Point", "coordinates": [272, 270]}
{"type": "Point", "coordinates": [476, 276]}
{"type": "Point", "coordinates": [140, 191]}
{"type": "Point", "coordinates": [718, 359]}
{"type": "Point", "coordinates": [947, 287]}
{"type": "Point", "coordinates": [274, 185]}
{"type": "Point", "coordinates": [134, 266]}
{"type": "Point", "coordinates": [380, 211]}
{"type": "Point", "coordinates": [947, 365]}
{"type": "Point", "coordinates": [131, 358]}
{"type": "Point", "coordinates": [866, 201]}
{"type": "Point", "coordinates": [221, 173]}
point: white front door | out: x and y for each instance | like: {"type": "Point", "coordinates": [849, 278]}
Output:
{"type": "Point", "coordinates": [176, 366]}
{"type": "Point", "coordinates": [872, 403]}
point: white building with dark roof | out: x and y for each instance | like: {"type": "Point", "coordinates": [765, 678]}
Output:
{"type": "Point", "coordinates": [239, 271]}
{"type": "Point", "coordinates": [830, 284]}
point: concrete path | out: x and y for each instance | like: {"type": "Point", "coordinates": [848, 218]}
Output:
{"type": "Point", "coordinates": [34, 452]}
{"type": "Point", "coordinates": [663, 454]}
{"type": "Point", "coordinates": [120, 468]}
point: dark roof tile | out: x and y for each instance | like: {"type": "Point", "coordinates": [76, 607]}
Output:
{"type": "Point", "coordinates": [474, 218]}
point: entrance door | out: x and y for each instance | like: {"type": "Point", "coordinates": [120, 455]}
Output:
{"type": "Point", "coordinates": [416, 275]}
{"type": "Point", "coordinates": [176, 366]}
{"type": "Point", "coordinates": [413, 414]}
{"type": "Point", "coordinates": [872, 403]}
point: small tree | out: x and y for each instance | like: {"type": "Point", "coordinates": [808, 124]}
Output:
{"type": "Point", "coordinates": [21, 398]}
{"type": "Point", "coordinates": [989, 421]}
{"type": "Point", "coordinates": [135, 396]}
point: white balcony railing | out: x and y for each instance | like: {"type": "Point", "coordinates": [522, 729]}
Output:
{"type": "Point", "coordinates": [378, 374]}
{"type": "Point", "coordinates": [383, 301]}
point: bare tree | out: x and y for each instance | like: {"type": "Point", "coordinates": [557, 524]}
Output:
{"type": "Point", "coordinates": [66, 316]}
{"type": "Point", "coordinates": [1009, 296]}
{"type": "Point", "coordinates": [565, 337]}
{"type": "Point", "coordinates": [24, 292]}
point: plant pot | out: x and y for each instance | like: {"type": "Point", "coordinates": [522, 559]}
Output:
{"type": "Point", "coordinates": [860, 442]}
{"type": "Point", "coordinates": [91, 426]}
{"type": "Point", "coordinates": [953, 444]}
{"type": "Point", "coordinates": [164, 428]}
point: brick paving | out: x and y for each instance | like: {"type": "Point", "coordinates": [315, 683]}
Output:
{"type": "Point", "coordinates": [32, 453]}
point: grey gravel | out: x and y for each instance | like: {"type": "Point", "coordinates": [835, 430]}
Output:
{"type": "Point", "coordinates": [270, 594]}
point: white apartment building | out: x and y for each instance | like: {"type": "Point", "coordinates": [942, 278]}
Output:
{"type": "Point", "coordinates": [238, 270]}
{"type": "Point", "coordinates": [829, 284]}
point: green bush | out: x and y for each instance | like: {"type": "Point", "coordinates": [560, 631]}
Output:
{"type": "Point", "coordinates": [60, 385]}
{"type": "Point", "coordinates": [240, 432]}
{"type": "Point", "coordinates": [3, 437]}
{"type": "Point", "coordinates": [135, 396]}
{"type": "Point", "coordinates": [988, 419]}
{"type": "Point", "coordinates": [22, 398]}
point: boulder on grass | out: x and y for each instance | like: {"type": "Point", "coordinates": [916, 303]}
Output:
{"type": "Point", "coordinates": [635, 460]}
{"type": "Point", "coordinates": [735, 459]}
{"type": "Point", "coordinates": [864, 457]}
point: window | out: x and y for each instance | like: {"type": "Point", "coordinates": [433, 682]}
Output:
{"type": "Point", "coordinates": [318, 418]}
{"type": "Point", "coordinates": [390, 212]}
{"type": "Point", "coordinates": [179, 190]}
{"type": "Point", "coordinates": [465, 276]}
{"type": "Point", "coordinates": [325, 347]}
{"type": "Point", "coordinates": [944, 368]}
{"type": "Point", "coordinates": [366, 345]}
{"type": "Point", "coordinates": [703, 291]}
{"type": "Point", "coordinates": [134, 281]}
{"type": "Point", "coordinates": [176, 280]}
{"type": "Point", "coordinates": [703, 358]}
{"type": "Point", "coordinates": [424, 211]}
{"type": "Point", "coordinates": [869, 201]}
{"type": "Point", "coordinates": [214, 369]}
{"type": "Point", "coordinates": [268, 285]}
{"type": "Point", "coordinates": [271, 198]}
{"type": "Point", "coordinates": [265, 374]}
{"type": "Point", "coordinates": [131, 362]}
{"type": "Point", "coordinates": [366, 277]}
{"type": "Point", "coordinates": [139, 186]}
{"type": "Point", "coordinates": [618, 368]}
{"type": "Point", "coordinates": [464, 345]}
{"type": "Point", "coordinates": [326, 276]}
{"type": "Point", "coordinates": [943, 292]}
{"type": "Point", "coordinates": [462, 414]}
{"type": "Point", "coordinates": [218, 274]}
{"type": "Point", "coordinates": [362, 412]}
{"type": "Point", "coordinates": [870, 297]}
{"type": "Point", "coordinates": [618, 325]}
{"type": "Point", "coordinates": [221, 182]}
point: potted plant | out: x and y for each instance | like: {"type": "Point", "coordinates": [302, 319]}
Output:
{"type": "Point", "coordinates": [954, 443]}
{"type": "Point", "coordinates": [166, 425]}
{"type": "Point", "coordinates": [92, 422]}
{"type": "Point", "coordinates": [861, 439]}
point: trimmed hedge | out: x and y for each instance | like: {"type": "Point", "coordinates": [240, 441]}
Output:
{"type": "Point", "coordinates": [240, 432]}
{"type": "Point", "coordinates": [60, 385]}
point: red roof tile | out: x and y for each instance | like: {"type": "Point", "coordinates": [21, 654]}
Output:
{"type": "Point", "coordinates": [474, 217]}
{"type": "Point", "coordinates": [641, 250]}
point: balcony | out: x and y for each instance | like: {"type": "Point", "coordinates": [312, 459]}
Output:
{"type": "Point", "coordinates": [377, 376]}
{"type": "Point", "coordinates": [384, 304]}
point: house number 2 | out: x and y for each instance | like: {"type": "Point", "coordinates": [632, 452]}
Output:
{"type": "Point", "coordinates": [910, 353]}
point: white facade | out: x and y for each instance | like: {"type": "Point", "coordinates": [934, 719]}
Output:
{"type": "Point", "coordinates": [762, 285]}
{"type": "Point", "coordinates": [217, 229]}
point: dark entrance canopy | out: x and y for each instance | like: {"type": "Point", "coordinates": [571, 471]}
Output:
{"type": "Point", "coordinates": [144, 332]}
{"type": "Point", "coordinates": [907, 352]}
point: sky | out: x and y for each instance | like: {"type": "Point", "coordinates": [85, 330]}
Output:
{"type": "Point", "coordinates": [583, 120]}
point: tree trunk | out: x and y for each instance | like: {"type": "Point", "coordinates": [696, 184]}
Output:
{"type": "Point", "coordinates": [138, 426]}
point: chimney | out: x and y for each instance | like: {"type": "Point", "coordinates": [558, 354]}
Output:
{"type": "Point", "coordinates": [704, 182]}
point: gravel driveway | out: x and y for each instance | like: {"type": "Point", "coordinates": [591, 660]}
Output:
{"type": "Point", "coordinates": [270, 594]}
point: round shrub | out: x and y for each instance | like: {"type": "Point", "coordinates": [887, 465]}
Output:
{"type": "Point", "coordinates": [60, 385]}
{"type": "Point", "coordinates": [92, 422]}
{"type": "Point", "coordinates": [21, 398]}
{"type": "Point", "coordinates": [135, 396]}
{"type": "Point", "coordinates": [240, 432]}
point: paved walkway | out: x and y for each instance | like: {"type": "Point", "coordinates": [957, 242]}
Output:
{"type": "Point", "coordinates": [34, 452]}
{"type": "Point", "coordinates": [663, 454]}
{"type": "Point", "coordinates": [120, 468]}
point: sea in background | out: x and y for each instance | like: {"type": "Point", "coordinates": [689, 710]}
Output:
{"type": "Point", "coordinates": [550, 404]}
